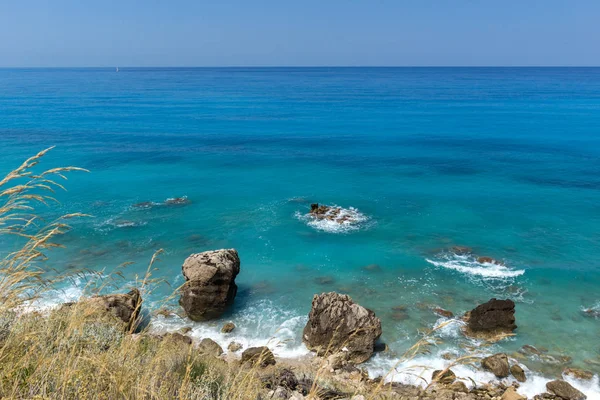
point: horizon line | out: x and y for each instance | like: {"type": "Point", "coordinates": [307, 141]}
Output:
{"type": "Point", "coordinates": [300, 66]}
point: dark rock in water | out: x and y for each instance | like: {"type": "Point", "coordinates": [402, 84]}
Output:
{"type": "Point", "coordinates": [228, 327]}
{"type": "Point", "coordinates": [324, 280]}
{"type": "Point", "coordinates": [258, 355]}
{"type": "Point", "coordinates": [443, 313]}
{"type": "Point", "coordinates": [493, 317]}
{"type": "Point", "coordinates": [210, 347]}
{"type": "Point", "coordinates": [577, 373]}
{"type": "Point", "coordinates": [335, 214]}
{"type": "Point", "coordinates": [210, 283]}
{"type": "Point", "coordinates": [592, 312]}
{"type": "Point", "coordinates": [399, 308]}
{"type": "Point", "coordinates": [488, 260]}
{"type": "Point", "coordinates": [380, 347]}
{"type": "Point", "coordinates": [177, 201]}
{"type": "Point", "coordinates": [564, 390]}
{"type": "Point", "coordinates": [126, 307]}
{"type": "Point", "coordinates": [335, 322]}
{"type": "Point", "coordinates": [497, 364]}
{"type": "Point", "coordinates": [446, 377]}
{"type": "Point", "coordinates": [518, 373]}
{"type": "Point", "coordinates": [144, 204]}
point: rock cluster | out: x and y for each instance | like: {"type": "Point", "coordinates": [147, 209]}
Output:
{"type": "Point", "coordinates": [337, 324]}
{"type": "Point", "coordinates": [125, 307]}
{"type": "Point", "coordinates": [210, 283]}
{"type": "Point", "coordinates": [329, 213]}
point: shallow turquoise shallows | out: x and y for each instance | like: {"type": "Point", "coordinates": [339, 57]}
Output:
{"type": "Point", "coordinates": [504, 161]}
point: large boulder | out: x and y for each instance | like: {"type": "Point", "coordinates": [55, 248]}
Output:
{"type": "Point", "coordinates": [564, 390]}
{"type": "Point", "coordinates": [497, 364]}
{"type": "Point", "coordinates": [491, 318]}
{"type": "Point", "coordinates": [125, 307]}
{"type": "Point", "coordinates": [210, 283]}
{"type": "Point", "coordinates": [336, 323]}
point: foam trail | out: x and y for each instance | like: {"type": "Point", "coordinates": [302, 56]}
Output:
{"type": "Point", "coordinates": [470, 266]}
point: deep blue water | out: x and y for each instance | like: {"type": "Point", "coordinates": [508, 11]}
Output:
{"type": "Point", "coordinates": [503, 160]}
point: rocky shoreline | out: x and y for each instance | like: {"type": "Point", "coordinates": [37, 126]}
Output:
{"type": "Point", "coordinates": [343, 335]}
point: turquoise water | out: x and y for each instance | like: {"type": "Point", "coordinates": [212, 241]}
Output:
{"type": "Point", "coordinates": [506, 161]}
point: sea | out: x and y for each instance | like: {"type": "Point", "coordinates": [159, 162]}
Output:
{"type": "Point", "coordinates": [503, 161]}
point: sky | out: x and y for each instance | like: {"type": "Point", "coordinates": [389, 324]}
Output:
{"type": "Point", "coordinates": [71, 33]}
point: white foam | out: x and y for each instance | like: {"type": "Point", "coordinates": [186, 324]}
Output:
{"type": "Point", "coordinates": [261, 324]}
{"type": "Point", "coordinates": [418, 372]}
{"type": "Point", "coordinates": [593, 311]}
{"type": "Point", "coordinates": [469, 265]}
{"type": "Point", "coordinates": [347, 220]}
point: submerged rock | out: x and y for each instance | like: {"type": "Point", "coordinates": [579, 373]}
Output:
{"type": "Point", "coordinates": [564, 390]}
{"type": "Point", "coordinates": [492, 318]}
{"type": "Point", "coordinates": [210, 283]}
{"type": "Point", "coordinates": [443, 313]}
{"type": "Point", "coordinates": [577, 373]}
{"type": "Point", "coordinates": [461, 250]}
{"type": "Point", "coordinates": [497, 364]}
{"type": "Point", "coordinates": [336, 323]}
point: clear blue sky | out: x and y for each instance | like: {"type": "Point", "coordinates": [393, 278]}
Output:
{"type": "Point", "coordinates": [301, 32]}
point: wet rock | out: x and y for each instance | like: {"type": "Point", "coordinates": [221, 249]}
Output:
{"type": "Point", "coordinates": [564, 390]}
{"type": "Point", "coordinates": [488, 260]}
{"type": "Point", "coordinates": [492, 318]}
{"type": "Point", "coordinates": [443, 313]}
{"type": "Point", "coordinates": [445, 377]}
{"type": "Point", "coordinates": [511, 394]}
{"type": "Point", "coordinates": [185, 329]}
{"type": "Point", "coordinates": [497, 364]}
{"type": "Point", "coordinates": [518, 373]}
{"type": "Point", "coordinates": [125, 307]}
{"type": "Point", "coordinates": [228, 327]}
{"type": "Point", "coordinates": [177, 201]}
{"type": "Point", "coordinates": [578, 373]}
{"type": "Point", "coordinates": [380, 347]}
{"type": "Point", "coordinates": [210, 283]}
{"type": "Point", "coordinates": [234, 346]}
{"type": "Point", "coordinates": [258, 355]}
{"type": "Point", "coordinates": [210, 347]}
{"type": "Point", "coordinates": [336, 323]}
